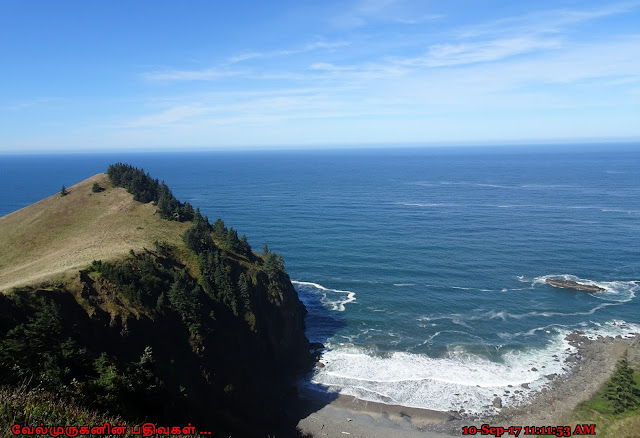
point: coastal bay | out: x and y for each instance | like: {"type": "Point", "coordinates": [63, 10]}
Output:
{"type": "Point", "coordinates": [592, 365]}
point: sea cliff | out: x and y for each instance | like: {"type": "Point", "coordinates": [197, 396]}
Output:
{"type": "Point", "coordinates": [194, 328]}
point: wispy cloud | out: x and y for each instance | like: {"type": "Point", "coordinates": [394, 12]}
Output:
{"type": "Point", "coordinates": [169, 116]}
{"type": "Point", "coordinates": [209, 74]}
{"type": "Point", "coordinates": [547, 21]}
{"type": "Point", "coordinates": [441, 55]}
{"type": "Point", "coordinates": [358, 73]}
{"type": "Point", "coordinates": [225, 71]}
{"type": "Point", "coordinates": [364, 12]}
{"type": "Point", "coordinates": [317, 45]}
{"type": "Point", "coordinates": [522, 67]}
{"type": "Point", "coordinates": [426, 18]}
{"type": "Point", "coordinates": [360, 12]}
{"type": "Point", "coordinates": [26, 104]}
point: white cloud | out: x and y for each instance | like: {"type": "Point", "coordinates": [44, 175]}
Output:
{"type": "Point", "coordinates": [452, 85]}
{"type": "Point", "coordinates": [27, 104]}
{"type": "Point", "coordinates": [441, 55]}
{"type": "Point", "coordinates": [317, 45]}
{"type": "Point", "coordinates": [426, 18]}
{"type": "Point", "coordinates": [221, 72]}
{"type": "Point", "coordinates": [209, 74]}
{"type": "Point", "coordinates": [547, 21]}
{"type": "Point", "coordinates": [363, 12]}
{"type": "Point", "coordinates": [325, 66]}
{"type": "Point", "coordinates": [168, 116]}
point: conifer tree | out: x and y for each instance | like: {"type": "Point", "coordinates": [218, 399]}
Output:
{"type": "Point", "coordinates": [621, 389]}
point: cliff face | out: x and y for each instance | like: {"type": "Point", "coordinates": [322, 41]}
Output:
{"type": "Point", "coordinates": [206, 332]}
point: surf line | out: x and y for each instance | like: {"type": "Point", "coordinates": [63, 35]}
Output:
{"type": "Point", "coordinates": [351, 296]}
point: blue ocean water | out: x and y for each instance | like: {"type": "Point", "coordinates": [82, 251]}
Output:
{"type": "Point", "coordinates": [423, 269]}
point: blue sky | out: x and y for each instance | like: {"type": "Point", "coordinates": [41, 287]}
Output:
{"type": "Point", "coordinates": [79, 75]}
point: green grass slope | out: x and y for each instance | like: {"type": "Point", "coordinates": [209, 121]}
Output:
{"type": "Point", "coordinates": [61, 234]}
{"type": "Point", "coordinates": [612, 419]}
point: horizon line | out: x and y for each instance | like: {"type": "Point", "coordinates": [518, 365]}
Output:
{"type": "Point", "coordinates": [336, 146]}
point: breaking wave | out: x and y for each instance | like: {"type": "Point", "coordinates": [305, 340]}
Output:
{"type": "Point", "coordinates": [334, 299]}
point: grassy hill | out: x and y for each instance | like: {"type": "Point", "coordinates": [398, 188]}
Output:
{"type": "Point", "coordinates": [144, 310]}
{"type": "Point", "coordinates": [61, 234]}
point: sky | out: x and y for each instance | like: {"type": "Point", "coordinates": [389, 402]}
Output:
{"type": "Point", "coordinates": [146, 75]}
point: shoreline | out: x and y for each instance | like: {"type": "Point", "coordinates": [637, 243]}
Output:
{"type": "Point", "coordinates": [590, 367]}
{"type": "Point", "coordinates": [346, 415]}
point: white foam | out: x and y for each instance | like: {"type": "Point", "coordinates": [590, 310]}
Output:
{"type": "Point", "coordinates": [422, 183]}
{"type": "Point", "coordinates": [619, 291]}
{"type": "Point", "coordinates": [459, 380]}
{"type": "Point", "coordinates": [613, 328]}
{"type": "Point", "coordinates": [328, 298]}
{"type": "Point", "coordinates": [496, 186]}
{"type": "Point", "coordinates": [616, 210]}
{"type": "Point", "coordinates": [403, 284]}
{"type": "Point", "coordinates": [505, 315]}
{"type": "Point", "coordinates": [426, 204]}
{"type": "Point", "coordinates": [550, 186]}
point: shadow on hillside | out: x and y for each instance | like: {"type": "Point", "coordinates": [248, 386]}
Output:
{"type": "Point", "coordinates": [322, 323]}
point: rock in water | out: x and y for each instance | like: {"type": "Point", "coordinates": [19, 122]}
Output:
{"type": "Point", "coordinates": [569, 284]}
{"type": "Point", "coordinates": [497, 402]}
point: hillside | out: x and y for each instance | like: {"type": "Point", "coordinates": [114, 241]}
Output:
{"type": "Point", "coordinates": [115, 305]}
{"type": "Point", "coordinates": [62, 234]}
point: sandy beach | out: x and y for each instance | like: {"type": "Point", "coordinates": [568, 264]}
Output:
{"type": "Point", "coordinates": [589, 368]}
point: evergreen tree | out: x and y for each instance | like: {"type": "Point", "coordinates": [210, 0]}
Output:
{"type": "Point", "coordinates": [146, 189]}
{"type": "Point", "coordinates": [621, 389]}
{"type": "Point", "coordinates": [273, 264]}
{"type": "Point", "coordinates": [197, 237]}
{"type": "Point", "coordinates": [219, 229]}
{"type": "Point", "coordinates": [244, 247]}
{"type": "Point", "coordinates": [243, 288]}
{"type": "Point", "coordinates": [233, 243]}
{"type": "Point", "coordinates": [63, 191]}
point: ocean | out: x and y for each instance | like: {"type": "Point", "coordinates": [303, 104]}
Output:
{"type": "Point", "coordinates": [423, 270]}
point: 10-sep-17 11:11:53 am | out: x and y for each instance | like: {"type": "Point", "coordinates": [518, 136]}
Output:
{"type": "Point", "coordinates": [559, 431]}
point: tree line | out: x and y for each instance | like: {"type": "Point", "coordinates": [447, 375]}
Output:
{"type": "Point", "coordinates": [146, 189]}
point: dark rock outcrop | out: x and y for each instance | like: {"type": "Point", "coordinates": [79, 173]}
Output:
{"type": "Point", "coordinates": [570, 284]}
